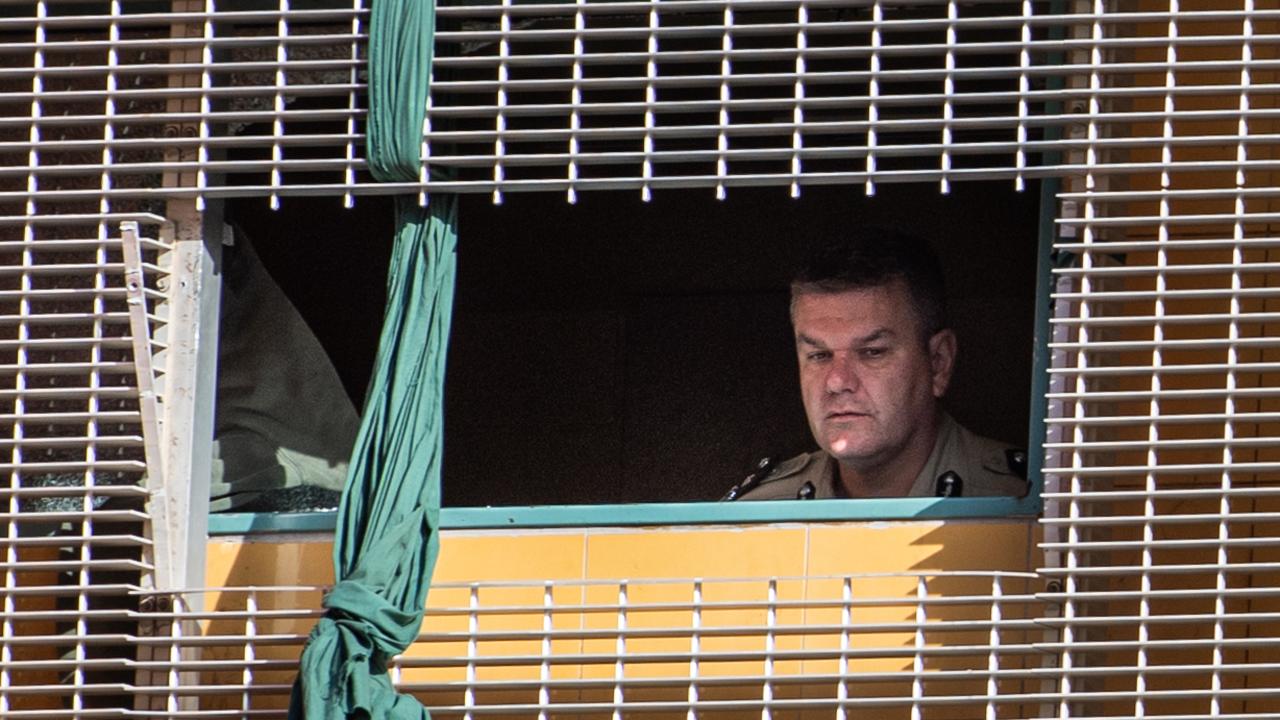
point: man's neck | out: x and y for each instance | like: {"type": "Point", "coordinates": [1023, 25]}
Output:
{"type": "Point", "coordinates": [895, 477]}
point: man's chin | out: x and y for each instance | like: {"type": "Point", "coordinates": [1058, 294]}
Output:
{"type": "Point", "coordinates": [841, 443]}
{"type": "Point", "coordinates": [846, 451]}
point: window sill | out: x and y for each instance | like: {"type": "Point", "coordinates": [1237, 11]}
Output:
{"type": "Point", "coordinates": [659, 514]}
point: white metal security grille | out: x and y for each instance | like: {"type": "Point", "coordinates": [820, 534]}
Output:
{"type": "Point", "coordinates": [873, 646]}
{"type": "Point", "coordinates": [77, 541]}
{"type": "Point", "coordinates": [1161, 468]}
{"type": "Point", "coordinates": [266, 98]}
{"type": "Point", "coordinates": [1159, 118]}
{"type": "Point", "coordinates": [672, 94]}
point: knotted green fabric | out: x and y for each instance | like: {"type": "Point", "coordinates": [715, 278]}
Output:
{"type": "Point", "coordinates": [400, 49]}
{"type": "Point", "coordinates": [388, 521]}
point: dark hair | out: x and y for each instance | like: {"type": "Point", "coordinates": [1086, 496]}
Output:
{"type": "Point", "coordinates": [869, 257]}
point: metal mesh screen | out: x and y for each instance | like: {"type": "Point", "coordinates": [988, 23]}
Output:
{"type": "Point", "coordinates": [254, 98]}
{"type": "Point", "coordinates": [1162, 474]}
{"type": "Point", "coordinates": [1159, 120]}
{"type": "Point", "coordinates": [866, 647]}
{"type": "Point", "coordinates": [77, 536]}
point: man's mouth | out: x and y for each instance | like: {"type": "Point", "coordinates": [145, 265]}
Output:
{"type": "Point", "coordinates": [845, 415]}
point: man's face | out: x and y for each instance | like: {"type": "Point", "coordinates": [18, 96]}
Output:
{"type": "Point", "coordinates": [869, 379]}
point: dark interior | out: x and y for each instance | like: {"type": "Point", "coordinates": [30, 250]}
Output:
{"type": "Point", "coordinates": [622, 351]}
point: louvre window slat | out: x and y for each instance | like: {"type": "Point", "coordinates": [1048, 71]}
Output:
{"type": "Point", "coordinates": [1155, 121]}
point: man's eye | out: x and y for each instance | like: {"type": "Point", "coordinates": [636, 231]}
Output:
{"type": "Point", "coordinates": [818, 356]}
{"type": "Point", "coordinates": [872, 353]}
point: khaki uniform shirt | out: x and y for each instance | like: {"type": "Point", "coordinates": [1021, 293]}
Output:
{"type": "Point", "coordinates": [282, 420]}
{"type": "Point", "coordinates": [986, 467]}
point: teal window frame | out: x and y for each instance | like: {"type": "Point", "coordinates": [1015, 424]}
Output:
{"type": "Point", "coordinates": [778, 511]}
{"type": "Point", "coordinates": [661, 514]}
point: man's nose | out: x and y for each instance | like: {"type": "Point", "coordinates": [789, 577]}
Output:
{"type": "Point", "coordinates": [842, 376]}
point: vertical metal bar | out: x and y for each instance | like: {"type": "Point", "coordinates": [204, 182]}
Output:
{"type": "Point", "coordinates": [873, 93]}
{"type": "Point", "coordinates": [1055, 460]}
{"type": "Point", "coordinates": [500, 117]}
{"type": "Point", "coordinates": [770, 647]}
{"type": "Point", "coordinates": [178, 499]}
{"type": "Point", "coordinates": [1238, 261]}
{"type": "Point", "coordinates": [83, 579]}
{"type": "Point", "coordinates": [846, 622]}
{"type": "Point", "coordinates": [650, 100]}
{"type": "Point", "coordinates": [1070, 588]}
{"type": "Point", "coordinates": [917, 659]}
{"type": "Point", "coordinates": [473, 651]}
{"type": "Point", "coordinates": [149, 411]}
{"type": "Point", "coordinates": [726, 72]}
{"type": "Point", "coordinates": [13, 504]}
{"type": "Point", "coordinates": [84, 604]}
{"type": "Point", "coordinates": [695, 650]}
{"type": "Point", "coordinates": [1057, 463]}
{"type": "Point", "coordinates": [278, 102]}
{"type": "Point", "coordinates": [797, 112]}
{"type": "Point", "coordinates": [7, 630]}
{"type": "Point", "coordinates": [23, 332]}
{"type": "Point", "coordinates": [93, 404]}
{"type": "Point", "coordinates": [424, 174]}
{"type": "Point", "coordinates": [24, 310]}
{"type": "Point", "coordinates": [37, 110]}
{"type": "Point", "coordinates": [544, 667]}
{"type": "Point", "coordinates": [140, 333]}
{"type": "Point", "coordinates": [349, 150]}
{"type": "Point", "coordinates": [1142, 661]}
{"type": "Point", "coordinates": [176, 701]}
{"type": "Point", "coordinates": [948, 93]}
{"type": "Point", "coordinates": [1096, 63]}
{"type": "Point", "coordinates": [1088, 238]}
{"type": "Point", "coordinates": [993, 645]}
{"type": "Point", "coordinates": [179, 502]}
{"type": "Point", "coordinates": [620, 649]}
{"type": "Point", "coordinates": [206, 105]}
{"type": "Point", "coordinates": [109, 105]}
{"type": "Point", "coordinates": [250, 649]}
{"type": "Point", "coordinates": [1045, 358]}
{"type": "Point", "coordinates": [575, 99]}
{"type": "Point", "coordinates": [1024, 90]}
{"type": "Point", "coordinates": [395, 668]}
{"type": "Point", "coordinates": [424, 148]}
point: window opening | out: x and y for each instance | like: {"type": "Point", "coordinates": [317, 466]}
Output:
{"type": "Point", "coordinates": [616, 351]}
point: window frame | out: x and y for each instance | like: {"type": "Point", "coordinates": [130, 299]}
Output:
{"type": "Point", "coordinates": [734, 513]}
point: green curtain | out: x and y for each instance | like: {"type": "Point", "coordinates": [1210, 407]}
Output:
{"type": "Point", "coordinates": [388, 521]}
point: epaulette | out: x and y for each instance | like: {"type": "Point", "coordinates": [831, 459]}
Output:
{"type": "Point", "coordinates": [1016, 459]}
{"type": "Point", "coordinates": [767, 471]}
{"type": "Point", "coordinates": [1008, 470]}
{"type": "Point", "coordinates": [1006, 461]}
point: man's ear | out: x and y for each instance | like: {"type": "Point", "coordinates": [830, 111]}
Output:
{"type": "Point", "coordinates": [942, 360]}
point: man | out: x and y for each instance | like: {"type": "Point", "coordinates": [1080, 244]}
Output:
{"type": "Point", "coordinates": [876, 356]}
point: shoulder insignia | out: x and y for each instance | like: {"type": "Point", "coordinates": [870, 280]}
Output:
{"type": "Point", "coordinates": [1016, 459]}
{"type": "Point", "coordinates": [767, 471]}
{"type": "Point", "coordinates": [763, 466]}
{"type": "Point", "coordinates": [949, 484]}
{"type": "Point", "coordinates": [1006, 461]}
{"type": "Point", "coordinates": [788, 467]}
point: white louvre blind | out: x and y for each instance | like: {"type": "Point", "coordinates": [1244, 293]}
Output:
{"type": "Point", "coordinates": [1161, 466]}
{"type": "Point", "coordinates": [240, 97]}
{"type": "Point", "coordinates": [883, 646]}
{"type": "Point", "coordinates": [257, 97]}
{"type": "Point", "coordinates": [76, 537]}
{"type": "Point", "coordinates": [670, 94]}
{"type": "Point", "coordinates": [1158, 117]}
